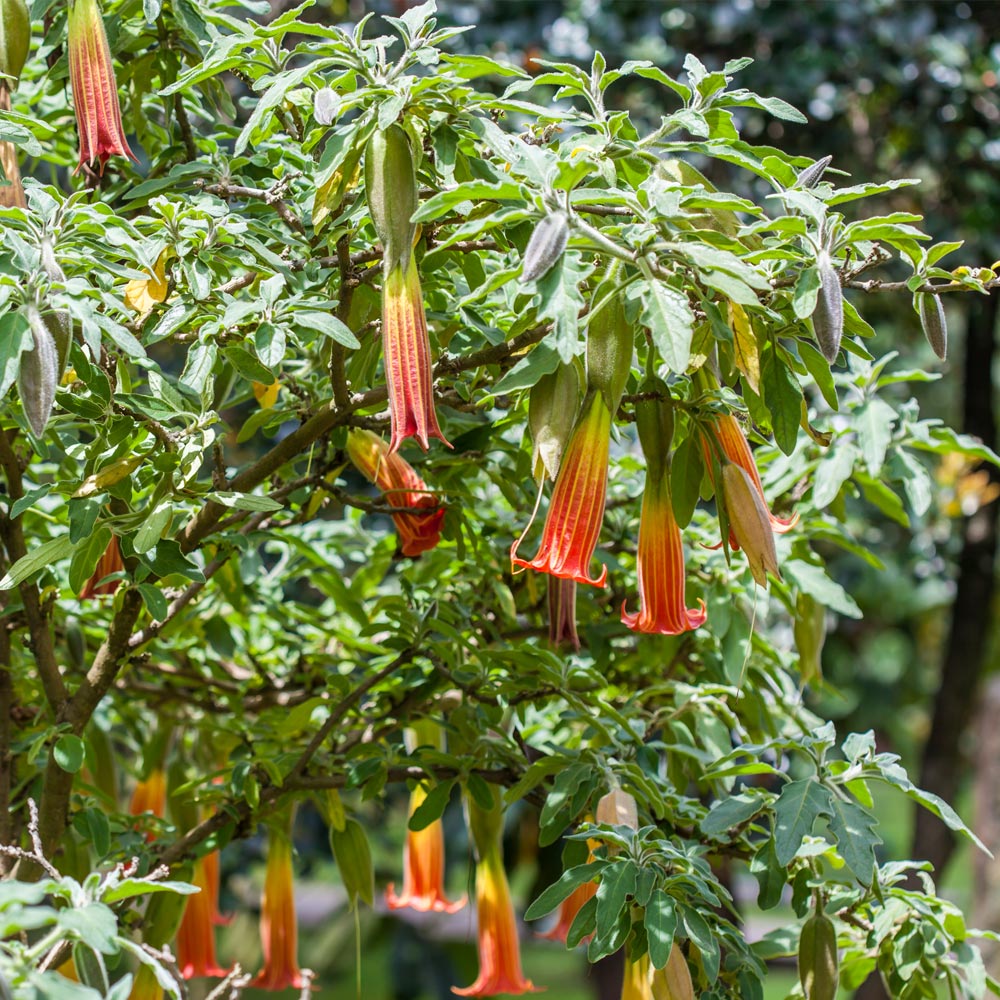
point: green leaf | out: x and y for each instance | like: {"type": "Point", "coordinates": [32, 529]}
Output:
{"type": "Point", "coordinates": [771, 876]}
{"type": "Point", "coordinates": [94, 924]}
{"type": "Point", "coordinates": [69, 752]}
{"type": "Point", "coordinates": [660, 921]}
{"type": "Point", "coordinates": [734, 811]}
{"type": "Point", "coordinates": [701, 935]}
{"type": "Point", "coordinates": [37, 559]}
{"type": "Point", "coordinates": [328, 325]}
{"type": "Point", "coordinates": [686, 472]}
{"type": "Point", "coordinates": [795, 812]}
{"type": "Point", "coordinates": [562, 302]}
{"type": "Point", "coordinates": [854, 829]}
{"type": "Point", "coordinates": [244, 501]}
{"type": "Point", "coordinates": [617, 884]}
{"type": "Point", "coordinates": [668, 315]}
{"type": "Point", "coordinates": [131, 887]}
{"type": "Point", "coordinates": [874, 424]}
{"type": "Point", "coordinates": [833, 471]}
{"type": "Point", "coordinates": [561, 890]}
{"type": "Point", "coordinates": [15, 338]}
{"type": "Point", "coordinates": [812, 580]}
{"type": "Point", "coordinates": [783, 398]}
{"type": "Point", "coordinates": [819, 369]}
{"type": "Point", "coordinates": [433, 806]}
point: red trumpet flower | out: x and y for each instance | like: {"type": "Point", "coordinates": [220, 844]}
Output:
{"type": "Point", "coordinates": [95, 90]}
{"type": "Point", "coordinates": [196, 936]}
{"type": "Point", "coordinates": [423, 867]}
{"type": "Point", "coordinates": [402, 488]}
{"type": "Point", "coordinates": [562, 613]}
{"type": "Point", "coordinates": [573, 524]}
{"type": "Point", "coordinates": [663, 608]}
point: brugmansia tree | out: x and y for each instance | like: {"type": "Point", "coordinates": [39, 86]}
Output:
{"type": "Point", "coordinates": [637, 381]}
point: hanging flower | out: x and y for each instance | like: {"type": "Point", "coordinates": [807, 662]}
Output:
{"type": "Point", "coordinates": [196, 935]}
{"type": "Point", "coordinates": [150, 796]}
{"type": "Point", "coordinates": [637, 983]}
{"type": "Point", "coordinates": [562, 613]}
{"type": "Point", "coordinates": [499, 948]}
{"type": "Point", "coordinates": [573, 524]}
{"type": "Point", "coordinates": [210, 863]}
{"type": "Point", "coordinates": [423, 867]}
{"type": "Point", "coordinates": [407, 351]}
{"type": "Point", "coordinates": [402, 488]}
{"type": "Point", "coordinates": [95, 90]}
{"type": "Point", "coordinates": [145, 986]}
{"type": "Point", "coordinates": [278, 924]}
{"type": "Point", "coordinates": [725, 428]}
{"type": "Point", "coordinates": [266, 395]}
{"type": "Point", "coordinates": [392, 192]}
{"type": "Point", "coordinates": [110, 562]}
{"type": "Point", "coordinates": [662, 607]}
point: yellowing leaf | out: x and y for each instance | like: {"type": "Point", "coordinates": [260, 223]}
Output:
{"type": "Point", "coordinates": [108, 476]}
{"type": "Point", "coordinates": [745, 346]}
{"type": "Point", "coordinates": [141, 294]}
{"type": "Point", "coordinates": [266, 395]}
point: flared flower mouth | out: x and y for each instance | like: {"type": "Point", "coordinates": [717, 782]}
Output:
{"type": "Point", "coordinates": [278, 922]}
{"type": "Point", "coordinates": [407, 351]}
{"type": "Point", "coordinates": [196, 935]}
{"type": "Point", "coordinates": [499, 949]}
{"type": "Point", "coordinates": [576, 511]}
{"type": "Point", "coordinates": [418, 532]}
{"type": "Point", "coordinates": [423, 868]}
{"type": "Point", "coordinates": [663, 609]}
{"type": "Point", "coordinates": [95, 90]}
{"type": "Point", "coordinates": [726, 430]}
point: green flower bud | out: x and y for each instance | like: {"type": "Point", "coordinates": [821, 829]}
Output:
{"type": "Point", "coordinates": [934, 324]}
{"type": "Point", "coordinates": [391, 189]}
{"type": "Point", "coordinates": [15, 40]}
{"type": "Point", "coordinates": [811, 175]}
{"type": "Point", "coordinates": [38, 375]}
{"type": "Point", "coordinates": [818, 971]}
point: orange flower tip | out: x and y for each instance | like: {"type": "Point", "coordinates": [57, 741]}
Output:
{"type": "Point", "coordinates": [580, 575]}
{"type": "Point", "coordinates": [191, 971]}
{"type": "Point", "coordinates": [690, 620]}
{"type": "Point", "coordinates": [422, 904]}
{"type": "Point", "coordinates": [421, 436]}
{"type": "Point", "coordinates": [492, 989]}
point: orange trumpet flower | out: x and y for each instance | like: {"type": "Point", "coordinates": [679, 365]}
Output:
{"type": "Point", "coordinates": [402, 488]}
{"type": "Point", "coordinates": [499, 948]}
{"type": "Point", "coordinates": [423, 867]}
{"type": "Point", "coordinates": [278, 923]}
{"type": "Point", "coordinates": [573, 524]}
{"type": "Point", "coordinates": [110, 562]}
{"type": "Point", "coordinates": [196, 935]}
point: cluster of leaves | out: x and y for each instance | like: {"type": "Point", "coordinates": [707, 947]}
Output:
{"type": "Point", "coordinates": [265, 617]}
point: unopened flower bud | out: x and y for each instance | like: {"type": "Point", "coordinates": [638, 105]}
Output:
{"type": "Point", "coordinates": [828, 319]}
{"type": "Point", "coordinates": [813, 174]}
{"type": "Point", "coordinates": [617, 808]}
{"type": "Point", "coordinates": [750, 522]}
{"type": "Point", "coordinates": [325, 105]}
{"type": "Point", "coordinates": [933, 322]}
{"type": "Point", "coordinates": [15, 40]}
{"type": "Point", "coordinates": [546, 246]}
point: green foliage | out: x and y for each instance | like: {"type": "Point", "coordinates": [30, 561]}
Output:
{"type": "Point", "coordinates": [266, 619]}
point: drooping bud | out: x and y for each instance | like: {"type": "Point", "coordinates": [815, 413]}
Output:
{"type": "Point", "coordinates": [934, 324]}
{"type": "Point", "coordinates": [553, 404]}
{"type": "Point", "coordinates": [818, 962]}
{"type": "Point", "coordinates": [38, 375]}
{"type": "Point", "coordinates": [749, 521]}
{"type": "Point", "coordinates": [813, 174]}
{"type": "Point", "coordinates": [391, 190]}
{"type": "Point", "coordinates": [15, 40]}
{"type": "Point", "coordinates": [546, 246]}
{"type": "Point", "coordinates": [617, 808]}
{"type": "Point", "coordinates": [95, 89]}
{"type": "Point", "coordinates": [58, 321]}
{"type": "Point", "coordinates": [828, 319]}
{"type": "Point", "coordinates": [673, 981]}
{"type": "Point", "coordinates": [610, 343]}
